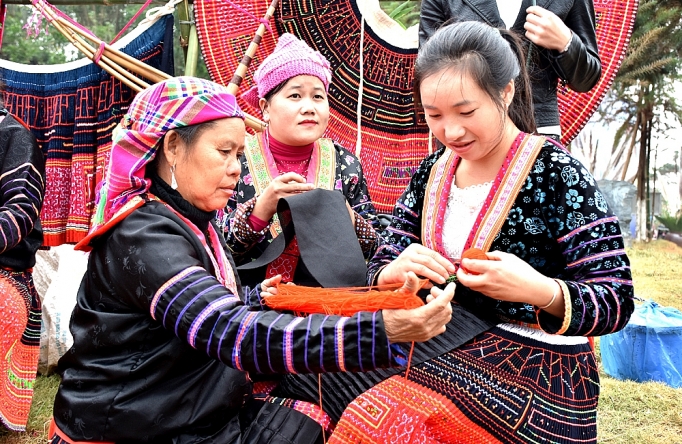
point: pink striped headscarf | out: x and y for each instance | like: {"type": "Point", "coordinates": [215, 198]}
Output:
{"type": "Point", "coordinates": [173, 103]}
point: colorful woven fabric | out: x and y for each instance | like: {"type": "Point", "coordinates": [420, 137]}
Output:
{"type": "Point", "coordinates": [72, 109]}
{"type": "Point", "coordinates": [20, 314]}
{"type": "Point", "coordinates": [507, 385]}
{"type": "Point", "coordinates": [394, 138]}
{"type": "Point", "coordinates": [615, 20]}
{"type": "Point", "coordinates": [173, 103]}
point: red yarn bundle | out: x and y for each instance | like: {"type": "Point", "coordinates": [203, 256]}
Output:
{"type": "Point", "coordinates": [342, 301]}
{"type": "Point", "coordinates": [474, 253]}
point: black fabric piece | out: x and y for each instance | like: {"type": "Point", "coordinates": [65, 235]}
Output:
{"type": "Point", "coordinates": [277, 424]}
{"type": "Point", "coordinates": [579, 67]}
{"type": "Point", "coordinates": [339, 389]}
{"type": "Point", "coordinates": [309, 216]}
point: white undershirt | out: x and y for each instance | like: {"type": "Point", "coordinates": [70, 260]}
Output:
{"type": "Point", "coordinates": [463, 207]}
{"type": "Point", "coordinates": [509, 10]}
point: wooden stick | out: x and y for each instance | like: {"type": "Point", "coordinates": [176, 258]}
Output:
{"type": "Point", "coordinates": [89, 51]}
{"type": "Point", "coordinates": [243, 66]}
{"type": "Point", "coordinates": [57, 22]}
{"type": "Point", "coordinates": [122, 58]}
{"type": "Point", "coordinates": [108, 64]}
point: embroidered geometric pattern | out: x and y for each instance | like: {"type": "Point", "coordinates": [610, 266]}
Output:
{"type": "Point", "coordinates": [19, 346]}
{"type": "Point", "coordinates": [499, 387]}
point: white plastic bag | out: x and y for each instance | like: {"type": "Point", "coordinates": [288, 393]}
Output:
{"type": "Point", "coordinates": [58, 303]}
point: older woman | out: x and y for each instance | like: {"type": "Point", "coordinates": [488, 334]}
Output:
{"type": "Point", "coordinates": [291, 156]}
{"type": "Point", "coordinates": [162, 339]}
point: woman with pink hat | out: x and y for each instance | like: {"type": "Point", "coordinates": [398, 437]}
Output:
{"type": "Point", "coordinates": [291, 156]}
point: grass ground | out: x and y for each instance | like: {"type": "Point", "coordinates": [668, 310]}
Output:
{"type": "Point", "coordinates": [629, 412]}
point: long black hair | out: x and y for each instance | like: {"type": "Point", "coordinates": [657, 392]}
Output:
{"type": "Point", "coordinates": [491, 57]}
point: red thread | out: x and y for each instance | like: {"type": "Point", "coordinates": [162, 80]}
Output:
{"type": "Point", "coordinates": [132, 20]}
{"type": "Point", "coordinates": [342, 301]}
{"type": "Point", "coordinates": [98, 54]}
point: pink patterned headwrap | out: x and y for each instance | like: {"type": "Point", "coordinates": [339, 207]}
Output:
{"type": "Point", "coordinates": [174, 103]}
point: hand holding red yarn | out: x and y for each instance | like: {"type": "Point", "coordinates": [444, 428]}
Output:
{"type": "Point", "coordinates": [269, 286]}
{"type": "Point", "coordinates": [423, 323]}
{"type": "Point", "coordinates": [507, 277]}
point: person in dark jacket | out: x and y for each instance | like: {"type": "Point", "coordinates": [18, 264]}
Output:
{"type": "Point", "coordinates": [163, 343]}
{"type": "Point", "coordinates": [22, 188]}
{"type": "Point", "coordinates": [561, 36]}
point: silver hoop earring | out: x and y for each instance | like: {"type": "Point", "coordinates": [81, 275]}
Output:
{"type": "Point", "coordinates": [174, 183]}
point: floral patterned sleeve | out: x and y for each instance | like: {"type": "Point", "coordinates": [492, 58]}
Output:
{"type": "Point", "coordinates": [240, 237]}
{"type": "Point", "coordinates": [405, 227]}
{"type": "Point", "coordinates": [596, 279]}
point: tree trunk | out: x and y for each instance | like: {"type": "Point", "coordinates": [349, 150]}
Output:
{"type": "Point", "coordinates": [679, 211]}
{"type": "Point", "coordinates": [632, 147]}
{"type": "Point", "coordinates": [642, 169]}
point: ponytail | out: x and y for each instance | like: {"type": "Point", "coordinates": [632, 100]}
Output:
{"type": "Point", "coordinates": [521, 108]}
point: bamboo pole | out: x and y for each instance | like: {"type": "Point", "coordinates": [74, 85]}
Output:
{"type": "Point", "coordinates": [58, 23]}
{"type": "Point", "coordinates": [192, 51]}
{"type": "Point", "coordinates": [90, 52]}
{"type": "Point", "coordinates": [243, 66]}
{"type": "Point", "coordinates": [183, 26]}
{"type": "Point", "coordinates": [121, 57]}
{"type": "Point", "coordinates": [117, 63]}
{"type": "Point", "coordinates": [64, 28]}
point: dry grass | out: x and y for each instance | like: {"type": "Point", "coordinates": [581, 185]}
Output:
{"type": "Point", "coordinates": [632, 412]}
{"type": "Point", "coordinates": [629, 412]}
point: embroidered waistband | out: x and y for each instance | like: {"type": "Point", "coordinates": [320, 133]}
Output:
{"type": "Point", "coordinates": [540, 335]}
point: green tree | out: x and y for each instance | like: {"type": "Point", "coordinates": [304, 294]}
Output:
{"type": "Point", "coordinates": [405, 12]}
{"type": "Point", "coordinates": [643, 93]}
{"type": "Point", "coordinates": [51, 47]}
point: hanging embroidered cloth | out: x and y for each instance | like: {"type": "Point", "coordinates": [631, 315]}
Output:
{"type": "Point", "coordinates": [72, 110]}
{"type": "Point", "coordinates": [615, 20]}
{"type": "Point", "coordinates": [393, 138]}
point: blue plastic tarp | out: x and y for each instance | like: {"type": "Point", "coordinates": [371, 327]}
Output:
{"type": "Point", "coordinates": [649, 348]}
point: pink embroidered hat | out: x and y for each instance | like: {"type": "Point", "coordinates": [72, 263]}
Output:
{"type": "Point", "coordinates": [173, 103]}
{"type": "Point", "coordinates": [291, 57]}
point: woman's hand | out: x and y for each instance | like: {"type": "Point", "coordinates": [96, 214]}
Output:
{"type": "Point", "coordinates": [420, 260]}
{"type": "Point", "coordinates": [285, 185]}
{"type": "Point", "coordinates": [506, 277]}
{"type": "Point", "coordinates": [423, 323]}
{"type": "Point", "coordinates": [546, 29]}
{"type": "Point", "coordinates": [269, 286]}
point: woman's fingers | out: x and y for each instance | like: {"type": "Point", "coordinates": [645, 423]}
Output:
{"type": "Point", "coordinates": [269, 286]}
{"type": "Point", "coordinates": [411, 285]}
{"type": "Point", "coordinates": [423, 323]}
{"type": "Point", "coordinates": [428, 264]}
{"type": "Point", "coordinates": [291, 177]}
